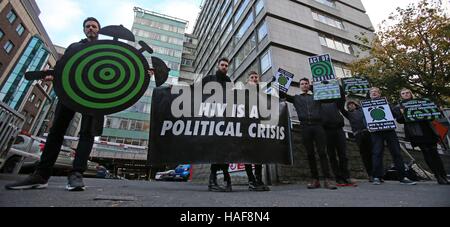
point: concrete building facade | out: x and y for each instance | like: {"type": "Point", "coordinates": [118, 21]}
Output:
{"type": "Point", "coordinates": [26, 46]}
{"type": "Point", "coordinates": [265, 35]}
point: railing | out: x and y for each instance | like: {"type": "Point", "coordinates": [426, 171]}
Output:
{"type": "Point", "coordinates": [11, 122]}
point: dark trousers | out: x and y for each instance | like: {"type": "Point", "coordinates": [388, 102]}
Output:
{"type": "Point", "coordinates": [63, 117]}
{"type": "Point", "coordinates": [258, 173]}
{"type": "Point", "coordinates": [364, 142]}
{"type": "Point", "coordinates": [315, 135]}
{"type": "Point", "coordinates": [378, 139]}
{"type": "Point", "coordinates": [224, 168]}
{"type": "Point", "coordinates": [337, 152]}
{"type": "Point", "coordinates": [433, 160]}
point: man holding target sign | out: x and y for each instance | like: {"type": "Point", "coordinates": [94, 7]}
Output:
{"type": "Point", "coordinates": [85, 82]}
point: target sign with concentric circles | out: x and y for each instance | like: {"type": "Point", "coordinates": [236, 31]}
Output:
{"type": "Point", "coordinates": [102, 77]}
{"type": "Point", "coordinates": [322, 68]}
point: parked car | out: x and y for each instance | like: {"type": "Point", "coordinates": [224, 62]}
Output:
{"type": "Point", "coordinates": [165, 176]}
{"type": "Point", "coordinates": [19, 150]}
{"type": "Point", "coordinates": [183, 172]}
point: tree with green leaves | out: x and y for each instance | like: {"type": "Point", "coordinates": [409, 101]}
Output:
{"type": "Point", "coordinates": [411, 50]}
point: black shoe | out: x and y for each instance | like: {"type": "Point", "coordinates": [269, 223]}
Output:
{"type": "Point", "coordinates": [407, 181]}
{"type": "Point", "coordinates": [75, 183]}
{"type": "Point", "coordinates": [213, 185]}
{"type": "Point", "coordinates": [228, 187]}
{"type": "Point", "coordinates": [34, 181]}
{"type": "Point", "coordinates": [257, 187]}
{"type": "Point", "coordinates": [263, 186]}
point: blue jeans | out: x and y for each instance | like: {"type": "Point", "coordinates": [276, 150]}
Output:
{"type": "Point", "coordinates": [378, 139]}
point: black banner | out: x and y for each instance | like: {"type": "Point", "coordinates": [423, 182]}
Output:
{"type": "Point", "coordinates": [421, 110]}
{"type": "Point", "coordinates": [231, 131]}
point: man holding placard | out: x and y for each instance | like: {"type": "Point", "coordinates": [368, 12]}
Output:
{"type": "Point", "coordinates": [311, 117]}
{"type": "Point", "coordinates": [381, 124]}
{"type": "Point", "coordinates": [416, 115]}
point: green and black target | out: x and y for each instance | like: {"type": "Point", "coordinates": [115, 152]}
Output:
{"type": "Point", "coordinates": [322, 68]}
{"type": "Point", "coordinates": [102, 77]}
{"type": "Point", "coordinates": [356, 86]}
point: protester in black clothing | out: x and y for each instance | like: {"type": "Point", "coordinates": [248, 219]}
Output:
{"type": "Point", "coordinates": [378, 143]}
{"type": "Point", "coordinates": [422, 135]}
{"type": "Point", "coordinates": [311, 117]}
{"type": "Point", "coordinates": [255, 182]}
{"type": "Point", "coordinates": [334, 123]}
{"type": "Point", "coordinates": [355, 115]}
{"type": "Point", "coordinates": [90, 127]}
{"type": "Point", "coordinates": [222, 78]}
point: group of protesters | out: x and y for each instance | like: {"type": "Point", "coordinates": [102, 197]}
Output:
{"type": "Point", "coordinates": [322, 129]}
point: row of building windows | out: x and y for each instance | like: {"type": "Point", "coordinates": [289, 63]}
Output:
{"type": "Point", "coordinates": [127, 141]}
{"type": "Point", "coordinates": [11, 16]}
{"type": "Point", "coordinates": [167, 51]}
{"type": "Point", "coordinates": [330, 3]}
{"type": "Point", "coordinates": [161, 26]}
{"type": "Point", "coordinates": [328, 20]}
{"type": "Point", "coordinates": [127, 124]}
{"type": "Point", "coordinates": [335, 43]}
{"type": "Point", "coordinates": [240, 33]}
{"type": "Point", "coordinates": [20, 29]}
{"type": "Point", "coordinates": [238, 15]}
{"type": "Point", "coordinates": [159, 37]}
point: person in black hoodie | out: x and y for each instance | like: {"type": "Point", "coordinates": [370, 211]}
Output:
{"type": "Point", "coordinates": [355, 115]}
{"type": "Point", "coordinates": [422, 135]}
{"type": "Point", "coordinates": [222, 78]}
{"type": "Point", "coordinates": [333, 123]}
{"type": "Point", "coordinates": [310, 115]}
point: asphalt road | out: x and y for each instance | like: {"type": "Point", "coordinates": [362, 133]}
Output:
{"type": "Point", "coordinates": [120, 193]}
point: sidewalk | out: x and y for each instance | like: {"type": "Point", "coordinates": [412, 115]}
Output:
{"type": "Point", "coordinates": [119, 193]}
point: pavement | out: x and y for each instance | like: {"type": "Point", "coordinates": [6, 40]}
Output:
{"type": "Point", "coordinates": [124, 193]}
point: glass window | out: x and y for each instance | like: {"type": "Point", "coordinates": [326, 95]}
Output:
{"type": "Point", "coordinates": [244, 27]}
{"type": "Point", "coordinates": [315, 16]}
{"type": "Point", "coordinates": [11, 16]}
{"type": "Point", "coordinates": [339, 72]}
{"type": "Point", "coordinates": [38, 104]}
{"type": "Point", "coordinates": [32, 97]}
{"type": "Point", "coordinates": [330, 43]}
{"type": "Point", "coordinates": [1, 34]}
{"type": "Point", "coordinates": [348, 49]}
{"type": "Point", "coordinates": [266, 62]}
{"type": "Point", "coordinates": [323, 42]}
{"type": "Point", "coordinates": [241, 10]}
{"type": "Point", "coordinates": [20, 29]}
{"type": "Point", "coordinates": [227, 16]}
{"type": "Point", "coordinates": [327, 20]}
{"type": "Point", "coordinates": [8, 47]}
{"type": "Point", "coordinates": [339, 46]}
{"type": "Point", "coordinates": [262, 31]}
{"type": "Point", "coordinates": [124, 124]}
{"type": "Point", "coordinates": [259, 7]}
{"type": "Point", "coordinates": [329, 3]}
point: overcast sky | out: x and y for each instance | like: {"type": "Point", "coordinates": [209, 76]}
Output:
{"type": "Point", "coordinates": [63, 18]}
